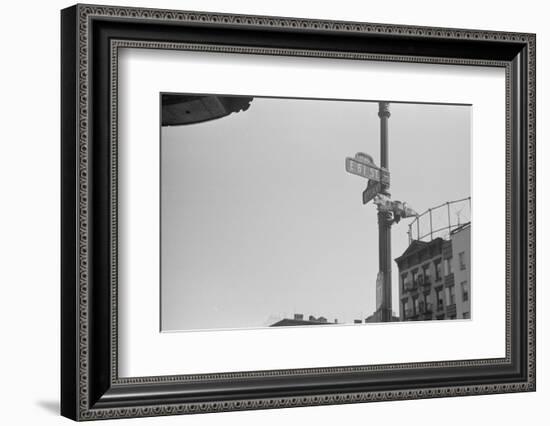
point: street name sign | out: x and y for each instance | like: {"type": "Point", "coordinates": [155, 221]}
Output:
{"type": "Point", "coordinates": [367, 171]}
{"type": "Point", "coordinates": [362, 169]}
{"type": "Point", "coordinates": [373, 188]}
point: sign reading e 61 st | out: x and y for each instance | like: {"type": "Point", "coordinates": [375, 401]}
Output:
{"type": "Point", "coordinates": [367, 171]}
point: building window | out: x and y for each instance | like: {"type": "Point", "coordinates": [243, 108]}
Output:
{"type": "Point", "coordinates": [416, 306]}
{"type": "Point", "coordinates": [403, 282]}
{"type": "Point", "coordinates": [425, 305]}
{"type": "Point", "coordinates": [404, 308]}
{"type": "Point", "coordinates": [451, 298]}
{"type": "Point", "coordinates": [448, 267]}
{"type": "Point", "coordinates": [414, 273]}
{"type": "Point", "coordinates": [439, 297]}
{"type": "Point", "coordinates": [427, 300]}
{"type": "Point", "coordinates": [464, 289]}
{"type": "Point", "coordinates": [426, 272]}
{"type": "Point", "coordinates": [437, 265]}
{"type": "Point", "coordinates": [461, 260]}
{"type": "Point", "coordinates": [408, 309]}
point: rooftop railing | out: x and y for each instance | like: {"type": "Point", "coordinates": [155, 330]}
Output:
{"type": "Point", "coordinates": [441, 220]}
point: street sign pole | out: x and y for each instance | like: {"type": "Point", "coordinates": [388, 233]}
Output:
{"type": "Point", "coordinates": [389, 211]}
{"type": "Point", "coordinates": [384, 220]}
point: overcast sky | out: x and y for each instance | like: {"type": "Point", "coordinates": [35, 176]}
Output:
{"type": "Point", "coordinates": [260, 220]}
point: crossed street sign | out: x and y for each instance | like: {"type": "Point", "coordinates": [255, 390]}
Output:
{"type": "Point", "coordinates": [360, 168]}
{"type": "Point", "coordinates": [363, 165]}
{"type": "Point", "coordinates": [373, 188]}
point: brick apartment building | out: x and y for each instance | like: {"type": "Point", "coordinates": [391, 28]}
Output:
{"type": "Point", "coordinates": [434, 278]}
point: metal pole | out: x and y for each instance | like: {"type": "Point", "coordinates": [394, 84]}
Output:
{"type": "Point", "coordinates": [384, 222]}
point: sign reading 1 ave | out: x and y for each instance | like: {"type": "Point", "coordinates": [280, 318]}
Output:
{"type": "Point", "coordinates": [367, 171]}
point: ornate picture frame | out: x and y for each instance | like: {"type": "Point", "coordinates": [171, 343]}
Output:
{"type": "Point", "coordinates": [91, 38]}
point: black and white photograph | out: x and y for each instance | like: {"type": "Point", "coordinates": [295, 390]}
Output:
{"type": "Point", "coordinates": [281, 212]}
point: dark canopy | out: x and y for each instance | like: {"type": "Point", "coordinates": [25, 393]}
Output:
{"type": "Point", "coordinates": [180, 110]}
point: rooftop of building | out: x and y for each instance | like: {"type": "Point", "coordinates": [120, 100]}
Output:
{"type": "Point", "coordinates": [417, 246]}
{"type": "Point", "coordinates": [299, 320]}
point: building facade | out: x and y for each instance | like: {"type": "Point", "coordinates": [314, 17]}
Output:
{"type": "Point", "coordinates": [460, 242]}
{"type": "Point", "coordinates": [434, 278]}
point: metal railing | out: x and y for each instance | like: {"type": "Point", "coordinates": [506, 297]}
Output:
{"type": "Point", "coordinates": [440, 221]}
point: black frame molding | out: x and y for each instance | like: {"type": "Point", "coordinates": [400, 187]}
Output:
{"type": "Point", "coordinates": [90, 38]}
